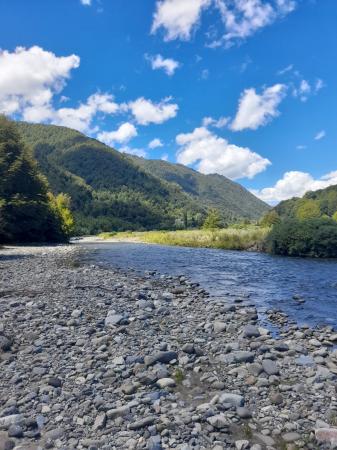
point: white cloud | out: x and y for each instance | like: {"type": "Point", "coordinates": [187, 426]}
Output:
{"type": "Point", "coordinates": [286, 69]}
{"type": "Point", "coordinates": [306, 89]}
{"type": "Point", "coordinates": [240, 18]}
{"type": "Point", "coordinates": [217, 123]}
{"type": "Point", "coordinates": [123, 134]}
{"type": "Point", "coordinates": [30, 78]}
{"type": "Point", "coordinates": [79, 118]}
{"type": "Point", "coordinates": [155, 143]}
{"type": "Point", "coordinates": [256, 110]}
{"type": "Point", "coordinates": [168, 65]}
{"type": "Point", "coordinates": [301, 147]}
{"type": "Point", "coordinates": [320, 135]}
{"type": "Point", "coordinates": [178, 17]}
{"type": "Point", "coordinates": [86, 2]}
{"type": "Point", "coordinates": [213, 154]}
{"type": "Point", "coordinates": [146, 112]}
{"type": "Point", "coordinates": [204, 74]}
{"type": "Point", "coordinates": [243, 18]}
{"type": "Point", "coordinates": [134, 151]}
{"type": "Point", "coordinates": [295, 184]}
{"type": "Point", "coordinates": [165, 157]}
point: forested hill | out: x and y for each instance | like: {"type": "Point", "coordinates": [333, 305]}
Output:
{"type": "Point", "coordinates": [313, 204]}
{"type": "Point", "coordinates": [210, 190]}
{"type": "Point", "coordinates": [114, 191]}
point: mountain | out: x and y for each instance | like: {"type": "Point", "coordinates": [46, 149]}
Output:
{"type": "Point", "coordinates": [216, 191]}
{"type": "Point", "coordinates": [115, 191]}
{"type": "Point", "coordinates": [322, 202]}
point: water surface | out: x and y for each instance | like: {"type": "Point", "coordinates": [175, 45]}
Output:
{"type": "Point", "coordinates": [270, 282]}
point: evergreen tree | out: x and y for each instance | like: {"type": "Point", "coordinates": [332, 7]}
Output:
{"type": "Point", "coordinates": [26, 214]}
{"type": "Point", "coordinates": [212, 220]}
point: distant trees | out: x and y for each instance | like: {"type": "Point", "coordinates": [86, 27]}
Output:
{"type": "Point", "coordinates": [212, 220]}
{"type": "Point", "coordinates": [308, 209]}
{"type": "Point", "coordinates": [26, 211]}
{"type": "Point", "coordinates": [270, 218]}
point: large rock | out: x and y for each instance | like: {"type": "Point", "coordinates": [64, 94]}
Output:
{"type": "Point", "coordinates": [219, 326]}
{"type": "Point", "coordinates": [327, 435]}
{"type": "Point", "coordinates": [250, 331]}
{"type": "Point", "coordinates": [219, 421]}
{"type": "Point", "coordinates": [232, 399]}
{"type": "Point", "coordinates": [243, 356]}
{"type": "Point", "coordinates": [270, 367]}
{"type": "Point", "coordinates": [161, 357]}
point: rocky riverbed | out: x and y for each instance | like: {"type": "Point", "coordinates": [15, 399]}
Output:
{"type": "Point", "coordinates": [94, 358]}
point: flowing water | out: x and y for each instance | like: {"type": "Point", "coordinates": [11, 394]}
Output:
{"type": "Point", "coordinates": [269, 282]}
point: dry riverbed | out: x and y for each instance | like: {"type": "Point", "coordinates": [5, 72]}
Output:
{"type": "Point", "coordinates": [95, 358]}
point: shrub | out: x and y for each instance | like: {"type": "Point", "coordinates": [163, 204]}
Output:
{"type": "Point", "coordinates": [309, 237]}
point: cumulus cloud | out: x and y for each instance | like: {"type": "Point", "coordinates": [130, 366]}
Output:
{"type": "Point", "coordinates": [240, 18]}
{"type": "Point", "coordinates": [30, 77]}
{"type": "Point", "coordinates": [165, 157]}
{"type": "Point", "coordinates": [178, 18]}
{"type": "Point", "coordinates": [243, 18]}
{"type": "Point", "coordinates": [123, 134]}
{"type": "Point", "coordinates": [295, 184]}
{"type": "Point", "coordinates": [86, 2]}
{"type": "Point", "coordinates": [213, 154]}
{"type": "Point", "coordinates": [79, 118]}
{"type": "Point", "coordinates": [155, 143]}
{"type": "Point", "coordinates": [320, 135]}
{"type": "Point", "coordinates": [257, 110]}
{"type": "Point", "coordinates": [145, 111]}
{"type": "Point", "coordinates": [169, 65]}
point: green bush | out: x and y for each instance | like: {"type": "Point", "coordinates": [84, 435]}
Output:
{"type": "Point", "coordinates": [310, 237]}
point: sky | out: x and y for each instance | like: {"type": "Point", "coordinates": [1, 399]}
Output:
{"type": "Point", "coordinates": [243, 88]}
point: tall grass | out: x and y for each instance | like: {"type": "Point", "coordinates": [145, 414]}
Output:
{"type": "Point", "coordinates": [247, 238]}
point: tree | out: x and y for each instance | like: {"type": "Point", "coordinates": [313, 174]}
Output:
{"type": "Point", "coordinates": [26, 214]}
{"type": "Point", "coordinates": [334, 217]}
{"type": "Point", "coordinates": [309, 237]}
{"type": "Point", "coordinates": [308, 209]}
{"type": "Point", "coordinates": [270, 218]}
{"type": "Point", "coordinates": [212, 220]}
{"type": "Point", "coordinates": [61, 207]}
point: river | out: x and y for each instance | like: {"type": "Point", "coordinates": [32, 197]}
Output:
{"type": "Point", "coordinates": [267, 281]}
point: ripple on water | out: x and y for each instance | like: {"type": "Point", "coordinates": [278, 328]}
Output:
{"type": "Point", "coordinates": [269, 281]}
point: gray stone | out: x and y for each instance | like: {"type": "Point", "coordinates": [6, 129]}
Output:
{"type": "Point", "coordinates": [232, 399]}
{"type": "Point", "coordinates": [142, 423]}
{"type": "Point", "coordinates": [14, 419]}
{"type": "Point", "coordinates": [291, 437]}
{"type": "Point", "coordinates": [100, 422]}
{"type": "Point", "coordinates": [15, 431]}
{"type": "Point", "coordinates": [113, 319]}
{"type": "Point", "coordinates": [243, 412]}
{"type": "Point", "coordinates": [250, 331]}
{"type": "Point", "coordinates": [219, 421]}
{"type": "Point", "coordinates": [243, 356]}
{"type": "Point", "coordinates": [219, 326]}
{"type": "Point", "coordinates": [161, 357]}
{"type": "Point", "coordinates": [165, 383]}
{"type": "Point", "coordinates": [270, 367]}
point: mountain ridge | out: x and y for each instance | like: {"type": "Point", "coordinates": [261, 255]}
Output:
{"type": "Point", "coordinates": [115, 191]}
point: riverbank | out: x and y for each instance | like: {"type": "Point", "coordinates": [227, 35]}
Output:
{"type": "Point", "coordinates": [233, 238]}
{"type": "Point", "coordinates": [99, 358]}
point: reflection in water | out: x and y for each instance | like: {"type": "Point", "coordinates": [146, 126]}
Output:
{"type": "Point", "coordinates": [269, 282]}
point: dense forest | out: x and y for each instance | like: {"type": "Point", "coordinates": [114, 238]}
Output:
{"type": "Point", "coordinates": [232, 200]}
{"type": "Point", "coordinates": [28, 211]}
{"type": "Point", "coordinates": [304, 226]}
{"type": "Point", "coordinates": [114, 191]}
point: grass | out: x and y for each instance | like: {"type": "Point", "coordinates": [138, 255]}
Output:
{"type": "Point", "coordinates": [249, 237]}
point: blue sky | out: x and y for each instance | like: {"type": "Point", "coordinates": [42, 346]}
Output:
{"type": "Point", "coordinates": [244, 88]}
